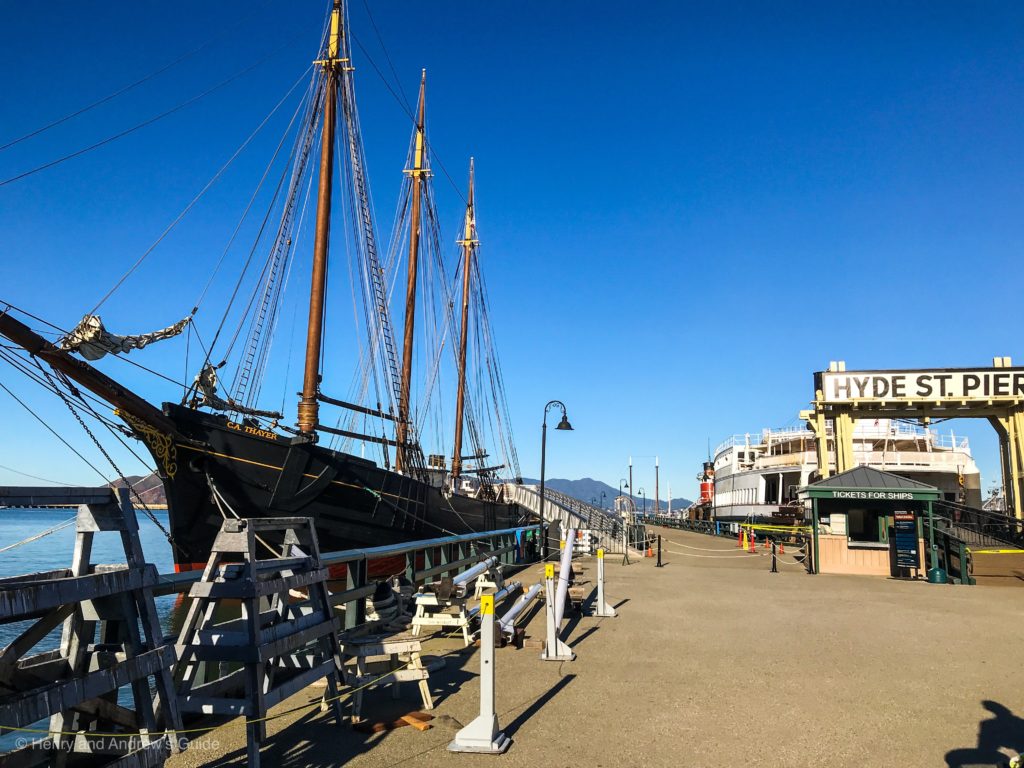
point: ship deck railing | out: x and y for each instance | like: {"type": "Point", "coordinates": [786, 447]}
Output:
{"type": "Point", "coordinates": [863, 431]}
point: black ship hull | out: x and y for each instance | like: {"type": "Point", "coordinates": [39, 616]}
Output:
{"type": "Point", "coordinates": [224, 469]}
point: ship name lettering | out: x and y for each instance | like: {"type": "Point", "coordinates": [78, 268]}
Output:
{"type": "Point", "coordinates": [252, 430]}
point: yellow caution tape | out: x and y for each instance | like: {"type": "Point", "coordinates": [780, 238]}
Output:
{"type": "Point", "coordinates": [996, 551]}
{"type": "Point", "coordinates": [779, 528]}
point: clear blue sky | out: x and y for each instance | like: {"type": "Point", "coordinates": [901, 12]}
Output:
{"type": "Point", "coordinates": [685, 208]}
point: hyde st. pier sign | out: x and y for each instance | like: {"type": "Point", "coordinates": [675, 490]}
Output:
{"type": "Point", "coordinates": [989, 385]}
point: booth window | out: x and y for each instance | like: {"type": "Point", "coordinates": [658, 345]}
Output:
{"type": "Point", "coordinates": [868, 527]}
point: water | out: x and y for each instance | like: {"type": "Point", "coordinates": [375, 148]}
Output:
{"type": "Point", "coordinates": [55, 551]}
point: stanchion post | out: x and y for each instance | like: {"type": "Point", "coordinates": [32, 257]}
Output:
{"type": "Point", "coordinates": [775, 565]}
{"type": "Point", "coordinates": [658, 564]}
{"type": "Point", "coordinates": [554, 648]}
{"type": "Point", "coordinates": [602, 608]}
{"type": "Point", "coordinates": [482, 734]}
{"type": "Point", "coordinates": [625, 543]}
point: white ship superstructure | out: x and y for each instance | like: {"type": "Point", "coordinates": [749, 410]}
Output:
{"type": "Point", "coordinates": [758, 474]}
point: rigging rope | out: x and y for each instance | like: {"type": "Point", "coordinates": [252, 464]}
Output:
{"type": "Point", "coordinates": [124, 89]}
{"type": "Point", "coordinates": [149, 121]}
{"type": "Point", "coordinates": [40, 535]}
{"type": "Point", "coordinates": [110, 459]}
{"type": "Point", "coordinates": [36, 477]}
{"type": "Point", "coordinates": [192, 203]}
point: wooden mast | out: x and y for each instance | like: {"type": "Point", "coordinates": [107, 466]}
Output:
{"type": "Point", "coordinates": [308, 416]}
{"type": "Point", "coordinates": [417, 172]}
{"type": "Point", "coordinates": [468, 243]}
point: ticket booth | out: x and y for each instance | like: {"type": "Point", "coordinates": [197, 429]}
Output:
{"type": "Point", "coordinates": [865, 521]}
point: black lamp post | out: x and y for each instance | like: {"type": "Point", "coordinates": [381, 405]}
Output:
{"type": "Point", "coordinates": [564, 425]}
{"type": "Point", "coordinates": [623, 484]}
{"type": "Point", "coordinates": [644, 497]}
{"type": "Point", "coordinates": [603, 496]}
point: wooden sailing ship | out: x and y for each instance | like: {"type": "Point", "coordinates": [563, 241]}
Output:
{"type": "Point", "coordinates": [220, 456]}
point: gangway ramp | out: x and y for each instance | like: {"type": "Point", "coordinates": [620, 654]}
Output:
{"type": "Point", "coordinates": [995, 541]}
{"type": "Point", "coordinates": [605, 526]}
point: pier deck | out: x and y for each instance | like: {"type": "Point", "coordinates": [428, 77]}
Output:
{"type": "Point", "coordinates": [713, 661]}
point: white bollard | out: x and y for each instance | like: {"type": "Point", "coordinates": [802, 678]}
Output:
{"type": "Point", "coordinates": [554, 648]}
{"type": "Point", "coordinates": [602, 608]}
{"type": "Point", "coordinates": [482, 735]}
{"type": "Point", "coordinates": [564, 574]}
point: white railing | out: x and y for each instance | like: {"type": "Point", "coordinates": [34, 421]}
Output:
{"type": "Point", "coordinates": [865, 430]}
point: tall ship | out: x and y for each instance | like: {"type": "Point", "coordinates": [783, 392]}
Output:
{"type": "Point", "coordinates": [757, 475]}
{"type": "Point", "coordinates": [220, 450]}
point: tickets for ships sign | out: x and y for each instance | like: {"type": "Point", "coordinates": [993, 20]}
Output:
{"type": "Point", "coordinates": [953, 384]}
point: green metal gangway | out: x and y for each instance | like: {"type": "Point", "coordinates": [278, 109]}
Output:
{"type": "Point", "coordinates": [973, 544]}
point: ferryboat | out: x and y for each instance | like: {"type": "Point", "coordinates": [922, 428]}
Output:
{"type": "Point", "coordinates": [757, 475]}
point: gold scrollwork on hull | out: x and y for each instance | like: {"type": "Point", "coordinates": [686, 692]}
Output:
{"type": "Point", "coordinates": [161, 445]}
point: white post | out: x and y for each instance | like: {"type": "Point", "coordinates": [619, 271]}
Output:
{"type": "Point", "coordinates": [602, 608]}
{"type": "Point", "coordinates": [483, 735]}
{"type": "Point", "coordinates": [554, 648]}
{"type": "Point", "coordinates": [564, 572]}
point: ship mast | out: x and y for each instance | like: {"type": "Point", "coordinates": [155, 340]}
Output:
{"type": "Point", "coordinates": [417, 172]}
{"type": "Point", "coordinates": [308, 416]}
{"type": "Point", "coordinates": [468, 243]}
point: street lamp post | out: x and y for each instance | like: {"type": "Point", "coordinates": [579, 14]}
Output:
{"type": "Point", "coordinates": [563, 425]}
{"type": "Point", "coordinates": [643, 495]}
{"type": "Point", "coordinates": [630, 486]}
{"type": "Point", "coordinates": [603, 497]}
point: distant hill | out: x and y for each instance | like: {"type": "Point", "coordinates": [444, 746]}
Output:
{"type": "Point", "coordinates": [588, 489]}
{"type": "Point", "coordinates": [149, 487]}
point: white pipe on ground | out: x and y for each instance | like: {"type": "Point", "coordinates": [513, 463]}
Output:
{"type": "Point", "coordinates": [506, 624]}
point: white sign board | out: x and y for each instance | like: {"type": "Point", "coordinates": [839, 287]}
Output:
{"type": "Point", "coordinates": [956, 384]}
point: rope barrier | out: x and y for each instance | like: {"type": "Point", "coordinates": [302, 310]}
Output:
{"type": "Point", "coordinates": [701, 549]}
{"type": "Point", "coordinates": [716, 557]}
{"type": "Point", "coordinates": [795, 562]}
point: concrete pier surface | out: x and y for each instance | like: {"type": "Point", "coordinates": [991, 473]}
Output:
{"type": "Point", "coordinates": [712, 661]}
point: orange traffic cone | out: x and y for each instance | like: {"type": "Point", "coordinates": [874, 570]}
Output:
{"type": "Point", "coordinates": [764, 544]}
{"type": "Point", "coordinates": [650, 552]}
{"type": "Point", "coordinates": [741, 539]}
{"type": "Point", "coordinates": [753, 544]}
{"type": "Point", "coordinates": [782, 547]}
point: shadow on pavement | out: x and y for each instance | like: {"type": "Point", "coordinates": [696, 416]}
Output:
{"type": "Point", "coordinates": [534, 708]}
{"type": "Point", "coordinates": [1004, 730]}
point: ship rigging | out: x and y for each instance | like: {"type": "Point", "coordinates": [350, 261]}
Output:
{"type": "Point", "coordinates": [230, 452]}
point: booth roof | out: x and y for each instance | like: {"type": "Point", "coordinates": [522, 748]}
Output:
{"type": "Point", "coordinates": [869, 478]}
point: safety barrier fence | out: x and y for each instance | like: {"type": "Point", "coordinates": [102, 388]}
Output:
{"type": "Point", "coordinates": [788, 546]}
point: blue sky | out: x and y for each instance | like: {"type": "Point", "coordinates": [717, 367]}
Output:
{"type": "Point", "coordinates": [685, 209]}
